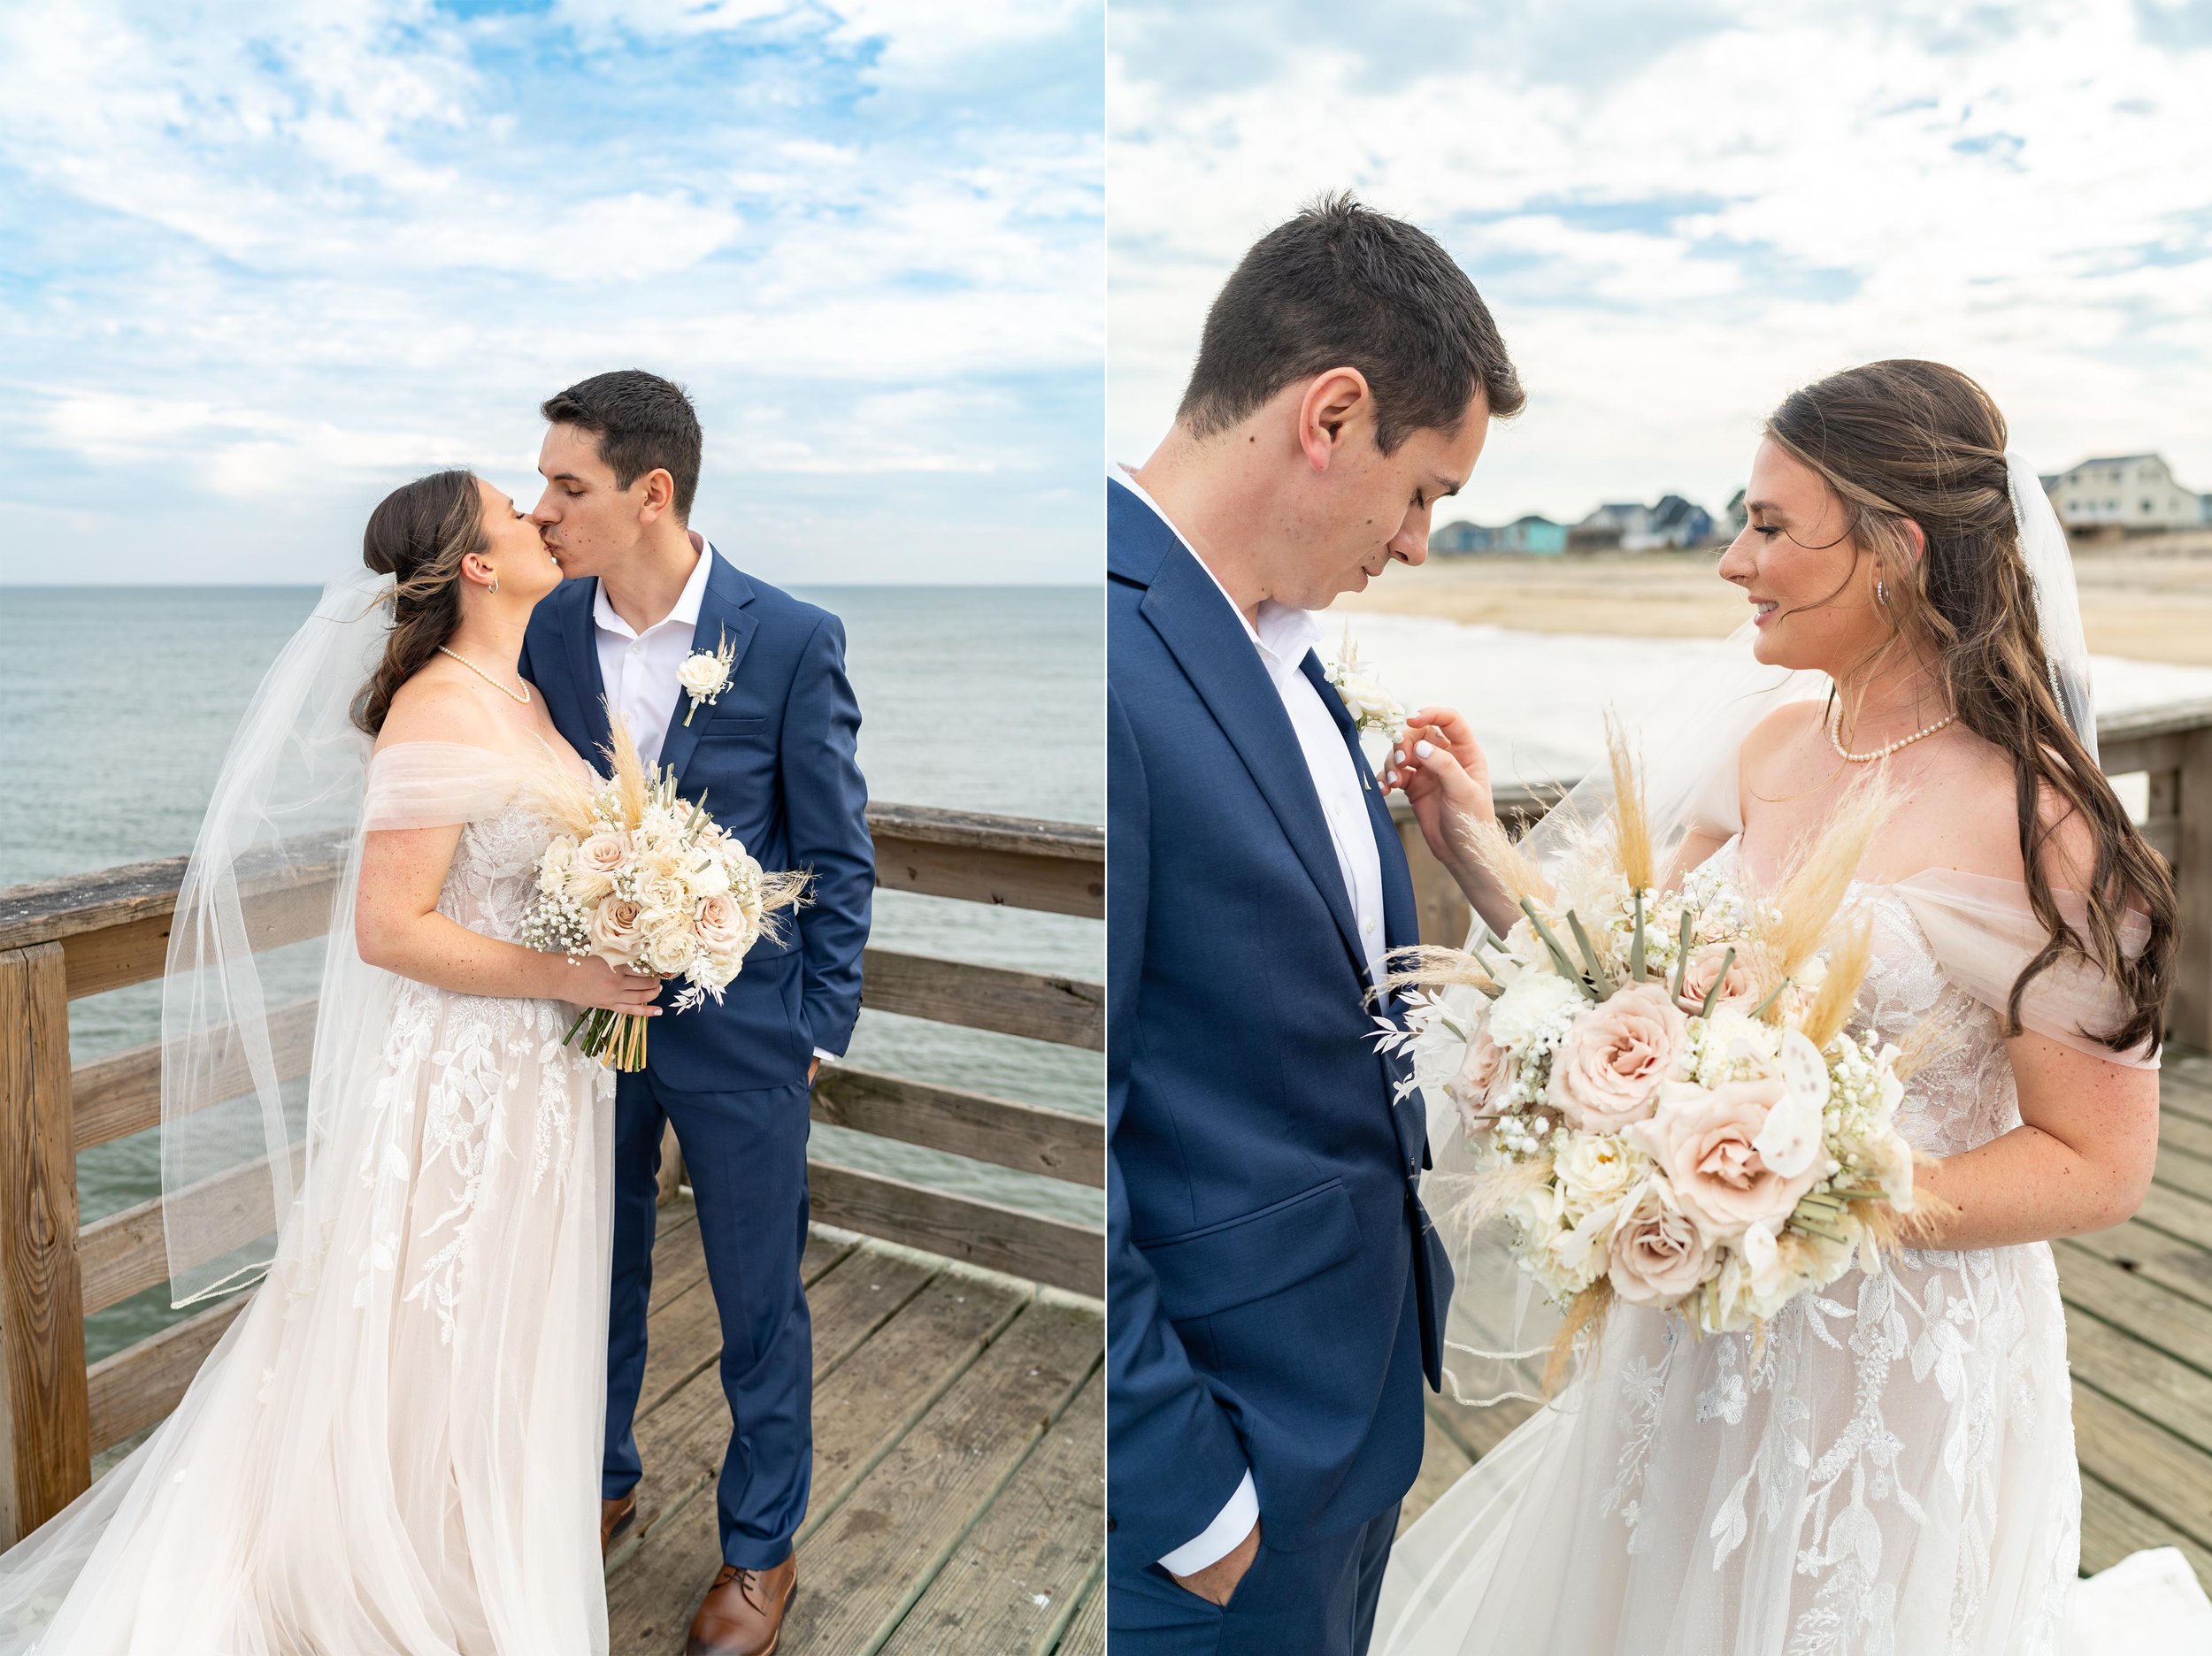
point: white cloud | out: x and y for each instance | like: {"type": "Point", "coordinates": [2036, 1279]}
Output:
{"type": "Point", "coordinates": [282, 255]}
{"type": "Point", "coordinates": [1672, 240]}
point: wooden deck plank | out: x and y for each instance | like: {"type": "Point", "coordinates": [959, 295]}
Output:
{"type": "Point", "coordinates": [2132, 1371]}
{"type": "Point", "coordinates": [2156, 1469]}
{"type": "Point", "coordinates": [1087, 1634]}
{"type": "Point", "coordinates": [2184, 1218]}
{"type": "Point", "coordinates": [1019, 1576]}
{"type": "Point", "coordinates": [2184, 1130]}
{"type": "Point", "coordinates": [2156, 1257]}
{"type": "Point", "coordinates": [874, 1555]}
{"type": "Point", "coordinates": [1442, 1461]}
{"type": "Point", "coordinates": [2092, 1285]}
{"type": "Point", "coordinates": [860, 1409]}
{"type": "Point", "coordinates": [2177, 1169]}
{"type": "Point", "coordinates": [682, 1441]}
{"type": "Point", "coordinates": [2113, 1526]}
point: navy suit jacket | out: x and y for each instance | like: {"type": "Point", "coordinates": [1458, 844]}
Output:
{"type": "Point", "coordinates": [1275, 1292]}
{"type": "Point", "coordinates": [774, 757]}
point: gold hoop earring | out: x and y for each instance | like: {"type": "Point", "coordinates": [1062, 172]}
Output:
{"type": "Point", "coordinates": [494, 585]}
{"type": "Point", "coordinates": [1881, 593]}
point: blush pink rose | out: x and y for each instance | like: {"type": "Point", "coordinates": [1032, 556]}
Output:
{"type": "Point", "coordinates": [1657, 1254]}
{"type": "Point", "coordinates": [721, 924]}
{"type": "Point", "coordinates": [1703, 1140]}
{"type": "Point", "coordinates": [1606, 1074]}
{"type": "Point", "coordinates": [1742, 991]}
{"type": "Point", "coordinates": [1480, 1072]}
{"type": "Point", "coordinates": [613, 926]}
{"type": "Point", "coordinates": [597, 860]}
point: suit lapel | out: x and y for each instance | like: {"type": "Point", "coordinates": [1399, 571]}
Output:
{"type": "Point", "coordinates": [1401, 915]}
{"type": "Point", "coordinates": [1195, 621]}
{"type": "Point", "coordinates": [723, 614]}
{"type": "Point", "coordinates": [579, 633]}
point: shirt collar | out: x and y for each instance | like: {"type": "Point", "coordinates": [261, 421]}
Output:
{"type": "Point", "coordinates": [688, 601]}
{"type": "Point", "coordinates": [1283, 635]}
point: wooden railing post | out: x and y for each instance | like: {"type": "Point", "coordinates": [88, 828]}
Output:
{"type": "Point", "coordinates": [2191, 1015]}
{"type": "Point", "coordinates": [44, 1405]}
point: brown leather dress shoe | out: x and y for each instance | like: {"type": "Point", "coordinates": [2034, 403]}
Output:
{"type": "Point", "coordinates": [615, 1516]}
{"type": "Point", "coordinates": [743, 1612]}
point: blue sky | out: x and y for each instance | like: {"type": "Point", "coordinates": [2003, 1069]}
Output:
{"type": "Point", "coordinates": [1678, 210]}
{"type": "Point", "coordinates": [258, 263]}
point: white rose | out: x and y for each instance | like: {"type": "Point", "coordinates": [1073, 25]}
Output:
{"type": "Point", "coordinates": [707, 877]}
{"type": "Point", "coordinates": [553, 867]}
{"type": "Point", "coordinates": [669, 948]}
{"type": "Point", "coordinates": [1597, 1170]}
{"type": "Point", "coordinates": [703, 675]}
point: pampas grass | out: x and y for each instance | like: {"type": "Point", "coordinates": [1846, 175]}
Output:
{"type": "Point", "coordinates": [1807, 903]}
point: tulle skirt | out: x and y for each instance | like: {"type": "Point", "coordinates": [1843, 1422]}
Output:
{"type": "Point", "coordinates": [1889, 1472]}
{"type": "Point", "coordinates": [395, 1449]}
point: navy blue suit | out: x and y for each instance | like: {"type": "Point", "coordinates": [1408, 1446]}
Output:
{"type": "Point", "coordinates": [774, 758]}
{"type": "Point", "coordinates": [1275, 1293]}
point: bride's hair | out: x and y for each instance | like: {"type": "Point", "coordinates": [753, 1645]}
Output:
{"type": "Point", "coordinates": [419, 534]}
{"type": "Point", "coordinates": [1916, 440]}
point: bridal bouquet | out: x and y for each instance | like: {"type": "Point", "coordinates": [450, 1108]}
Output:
{"type": "Point", "coordinates": [1665, 1098]}
{"type": "Point", "coordinates": [645, 879]}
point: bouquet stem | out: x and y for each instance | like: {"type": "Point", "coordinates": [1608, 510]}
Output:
{"type": "Point", "coordinates": [616, 1038]}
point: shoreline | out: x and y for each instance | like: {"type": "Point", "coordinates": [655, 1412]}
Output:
{"type": "Point", "coordinates": [2142, 602]}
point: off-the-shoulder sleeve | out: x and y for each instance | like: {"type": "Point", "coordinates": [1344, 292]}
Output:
{"type": "Point", "coordinates": [434, 784]}
{"type": "Point", "coordinates": [1983, 934]}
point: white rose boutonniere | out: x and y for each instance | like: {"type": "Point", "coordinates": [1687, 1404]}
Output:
{"type": "Point", "coordinates": [705, 675]}
{"type": "Point", "coordinates": [1371, 707]}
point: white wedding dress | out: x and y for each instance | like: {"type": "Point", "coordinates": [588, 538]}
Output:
{"type": "Point", "coordinates": [1890, 1472]}
{"type": "Point", "coordinates": [393, 1450]}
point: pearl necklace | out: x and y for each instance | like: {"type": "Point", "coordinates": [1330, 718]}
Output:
{"type": "Point", "coordinates": [1835, 738]}
{"type": "Point", "coordinates": [522, 696]}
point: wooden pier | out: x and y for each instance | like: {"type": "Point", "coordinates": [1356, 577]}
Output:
{"type": "Point", "coordinates": [958, 1494]}
{"type": "Point", "coordinates": [2138, 1297]}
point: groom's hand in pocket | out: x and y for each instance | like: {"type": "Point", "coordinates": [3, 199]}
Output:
{"type": "Point", "coordinates": [1219, 1580]}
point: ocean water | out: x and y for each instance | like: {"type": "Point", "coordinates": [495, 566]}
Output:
{"type": "Point", "coordinates": [116, 704]}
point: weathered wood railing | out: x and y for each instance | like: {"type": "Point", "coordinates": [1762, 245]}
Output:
{"type": "Point", "coordinates": [2170, 745]}
{"type": "Point", "coordinates": [64, 939]}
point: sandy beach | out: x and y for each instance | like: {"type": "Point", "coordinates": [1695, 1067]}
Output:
{"type": "Point", "coordinates": [2139, 601]}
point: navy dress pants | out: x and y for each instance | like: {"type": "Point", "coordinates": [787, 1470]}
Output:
{"type": "Point", "coordinates": [745, 1156]}
{"type": "Point", "coordinates": [1318, 1601]}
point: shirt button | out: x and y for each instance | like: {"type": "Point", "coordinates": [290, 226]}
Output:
{"type": "Point", "coordinates": [1368, 927]}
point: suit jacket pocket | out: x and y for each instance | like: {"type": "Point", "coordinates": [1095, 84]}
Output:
{"type": "Point", "coordinates": [732, 729]}
{"type": "Point", "coordinates": [1256, 1255]}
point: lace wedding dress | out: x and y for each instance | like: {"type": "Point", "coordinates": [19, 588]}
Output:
{"type": "Point", "coordinates": [394, 1448]}
{"type": "Point", "coordinates": [1890, 1471]}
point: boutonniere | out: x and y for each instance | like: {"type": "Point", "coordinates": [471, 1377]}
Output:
{"type": "Point", "coordinates": [1371, 707]}
{"type": "Point", "coordinates": [705, 674]}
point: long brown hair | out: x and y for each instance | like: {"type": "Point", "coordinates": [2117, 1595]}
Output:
{"type": "Point", "coordinates": [419, 533]}
{"type": "Point", "coordinates": [1916, 440]}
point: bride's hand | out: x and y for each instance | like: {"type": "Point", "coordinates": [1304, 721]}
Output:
{"type": "Point", "coordinates": [1441, 767]}
{"type": "Point", "coordinates": [591, 982]}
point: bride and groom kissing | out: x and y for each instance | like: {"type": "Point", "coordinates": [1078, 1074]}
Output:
{"type": "Point", "coordinates": [387, 1450]}
{"type": "Point", "coordinates": [1886, 1465]}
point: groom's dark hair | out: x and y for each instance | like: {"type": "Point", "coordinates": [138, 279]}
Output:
{"type": "Point", "coordinates": [643, 423]}
{"type": "Point", "coordinates": [1341, 286]}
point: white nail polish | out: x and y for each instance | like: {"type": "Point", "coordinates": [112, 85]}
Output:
{"type": "Point", "coordinates": [1399, 755]}
{"type": "Point", "coordinates": [1423, 749]}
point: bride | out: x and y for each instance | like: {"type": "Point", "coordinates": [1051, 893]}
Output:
{"type": "Point", "coordinates": [394, 1448]}
{"type": "Point", "coordinates": [1888, 1467]}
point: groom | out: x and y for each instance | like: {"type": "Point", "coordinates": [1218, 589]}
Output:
{"type": "Point", "coordinates": [1275, 1293]}
{"type": "Point", "coordinates": [772, 756]}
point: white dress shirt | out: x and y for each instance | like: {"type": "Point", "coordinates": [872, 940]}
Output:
{"type": "Point", "coordinates": [638, 668]}
{"type": "Point", "coordinates": [1283, 636]}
